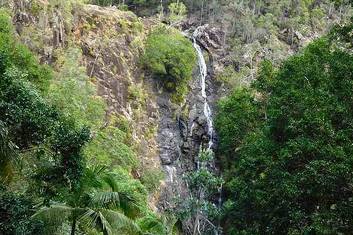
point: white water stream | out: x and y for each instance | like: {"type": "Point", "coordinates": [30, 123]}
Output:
{"type": "Point", "coordinates": [206, 107]}
{"type": "Point", "coordinates": [203, 74]}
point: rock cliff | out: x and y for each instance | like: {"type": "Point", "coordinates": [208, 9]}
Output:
{"type": "Point", "coordinates": [167, 136]}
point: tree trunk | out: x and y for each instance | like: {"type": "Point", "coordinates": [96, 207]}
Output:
{"type": "Point", "coordinates": [73, 226]}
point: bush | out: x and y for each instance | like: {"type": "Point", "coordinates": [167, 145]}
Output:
{"type": "Point", "coordinates": [108, 148]}
{"type": "Point", "coordinates": [170, 57]}
{"type": "Point", "coordinates": [15, 215]}
{"type": "Point", "coordinates": [20, 56]}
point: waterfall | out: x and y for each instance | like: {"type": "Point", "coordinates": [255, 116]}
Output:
{"type": "Point", "coordinates": [206, 111]}
{"type": "Point", "coordinates": [171, 171]}
{"type": "Point", "coordinates": [203, 74]}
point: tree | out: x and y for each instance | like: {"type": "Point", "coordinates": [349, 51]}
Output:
{"type": "Point", "coordinates": [238, 115]}
{"type": "Point", "coordinates": [30, 125]}
{"type": "Point", "coordinates": [199, 210]}
{"type": "Point", "coordinates": [95, 204]}
{"type": "Point", "coordinates": [170, 57]}
{"type": "Point", "coordinates": [15, 215]}
{"type": "Point", "coordinates": [292, 174]}
{"type": "Point", "coordinates": [7, 155]}
{"type": "Point", "coordinates": [177, 11]}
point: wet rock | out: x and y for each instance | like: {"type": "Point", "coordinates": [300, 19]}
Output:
{"type": "Point", "coordinates": [212, 39]}
{"type": "Point", "coordinates": [183, 128]}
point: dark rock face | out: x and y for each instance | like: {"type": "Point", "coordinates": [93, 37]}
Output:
{"type": "Point", "coordinates": [182, 131]}
{"type": "Point", "coordinates": [211, 39]}
{"type": "Point", "coordinates": [110, 54]}
{"type": "Point", "coordinates": [168, 136]}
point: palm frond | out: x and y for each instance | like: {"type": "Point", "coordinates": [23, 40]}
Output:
{"type": "Point", "coordinates": [155, 225]}
{"type": "Point", "coordinates": [120, 223]}
{"type": "Point", "coordinates": [89, 218]}
{"type": "Point", "coordinates": [110, 180]}
{"type": "Point", "coordinates": [106, 226]}
{"type": "Point", "coordinates": [130, 205]}
{"type": "Point", "coordinates": [53, 217]}
{"type": "Point", "coordinates": [105, 200]}
{"type": "Point", "coordinates": [109, 221]}
{"type": "Point", "coordinates": [98, 170]}
{"type": "Point", "coordinates": [92, 177]}
{"type": "Point", "coordinates": [127, 203]}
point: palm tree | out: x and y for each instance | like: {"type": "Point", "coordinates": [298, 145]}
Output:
{"type": "Point", "coordinates": [96, 205]}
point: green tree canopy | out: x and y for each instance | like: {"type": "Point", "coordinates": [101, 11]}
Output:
{"type": "Point", "coordinates": [170, 57]}
{"type": "Point", "coordinates": [292, 174]}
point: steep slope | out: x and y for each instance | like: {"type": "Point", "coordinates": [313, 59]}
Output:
{"type": "Point", "coordinates": [111, 42]}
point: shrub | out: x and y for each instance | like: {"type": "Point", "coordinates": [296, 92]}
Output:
{"type": "Point", "coordinates": [170, 57]}
{"type": "Point", "coordinates": [20, 56]}
{"type": "Point", "coordinates": [108, 148]}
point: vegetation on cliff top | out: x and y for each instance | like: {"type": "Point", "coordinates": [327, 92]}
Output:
{"type": "Point", "coordinates": [170, 57]}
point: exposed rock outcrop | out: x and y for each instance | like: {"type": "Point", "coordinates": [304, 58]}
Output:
{"type": "Point", "coordinates": [112, 42]}
{"type": "Point", "coordinates": [212, 39]}
{"type": "Point", "coordinates": [183, 130]}
{"type": "Point", "coordinates": [167, 136]}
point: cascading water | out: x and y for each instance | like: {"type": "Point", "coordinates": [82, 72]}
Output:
{"type": "Point", "coordinates": [206, 111]}
{"type": "Point", "coordinates": [186, 142]}
{"type": "Point", "coordinates": [203, 74]}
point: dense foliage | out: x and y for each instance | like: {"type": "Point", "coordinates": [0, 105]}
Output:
{"type": "Point", "coordinates": [200, 210]}
{"type": "Point", "coordinates": [51, 123]}
{"type": "Point", "coordinates": [151, 7]}
{"type": "Point", "coordinates": [31, 121]}
{"type": "Point", "coordinates": [285, 142]}
{"type": "Point", "coordinates": [171, 58]}
{"type": "Point", "coordinates": [15, 215]}
{"type": "Point", "coordinates": [287, 147]}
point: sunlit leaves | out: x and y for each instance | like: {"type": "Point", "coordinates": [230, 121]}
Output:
{"type": "Point", "coordinates": [170, 57]}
